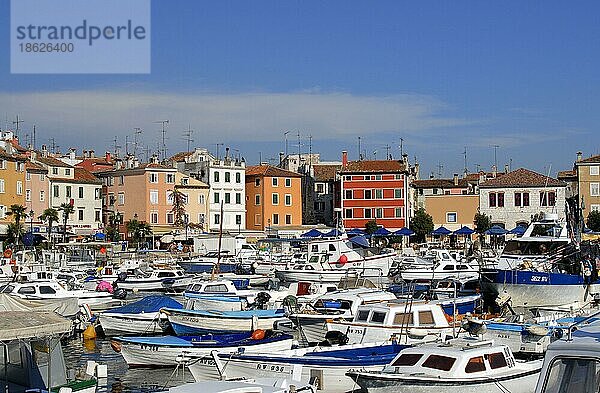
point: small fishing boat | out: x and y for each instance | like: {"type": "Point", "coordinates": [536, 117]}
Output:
{"type": "Point", "coordinates": [327, 365]}
{"type": "Point", "coordinates": [243, 386]}
{"type": "Point", "coordinates": [466, 365]}
{"type": "Point", "coordinates": [164, 351]}
{"type": "Point", "coordinates": [141, 317]}
{"type": "Point", "coordinates": [442, 269]}
{"type": "Point", "coordinates": [310, 272]}
{"type": "Point", "coordinates": [312, 319]}
{"type": "Point", "coordinates": [160, 279]}
{"type": "Point", "coordinates": [225, 295]}
{"type": "Point", "coordinates": [206, 263]}
{"type": "Point", "coordinates": [190, 322]}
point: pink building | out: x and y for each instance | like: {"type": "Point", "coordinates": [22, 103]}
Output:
{"type": "Point", "coordinates": [36, 189]}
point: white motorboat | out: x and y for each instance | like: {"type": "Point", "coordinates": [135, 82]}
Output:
{"type": "Point", "coordinates": [312, 319]}
{"type": "Point", "coordinates": [408, 322]}
{"type": "Point", "coordinates": [465, 365]}
{"type": "Point", "coordinates": [311, 272]}
{"type": "Point", "coordinates": [442, 266]}
{"type": "Point", "coordinates": [160, 279]}
{"type": "Point", "coordinates": [243, 386]}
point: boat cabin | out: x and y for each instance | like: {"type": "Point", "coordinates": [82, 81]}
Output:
{"type": "Point", "coordinates": [419, 314]}
{"type": "Point", "coordinates": [347, 301]}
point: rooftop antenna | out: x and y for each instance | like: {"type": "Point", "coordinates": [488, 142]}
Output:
{"type": "Point", "coordinates": [188, 136]}
{"type": "Point", "coordinates": [285, 135]}
{"type": "Point", "coordinates": [218, 144]}
{"type": "Point", "coordinates": [495, 155]}
{"type": "Point", "coordinates": [359, 155]}
{"type": "Point", "coordinates": [298, 147]}
{"type": "Point", "coordinates": [163, 131]}
{"type": "Point", "coordinates": [33, 138]}
{"type": "Point", "coordinates": [136, 132]}
{"type": "Point", "coordinates": [401, 147]}
{"type": "Point", "coordinates": [440, 167]}
{"type": "Point", "coordinates": [146, 152]}
{"type": "Point", "coordinates": [375, 154]}
{"type": "Point", "coordinates": [17, 124]}
{"type": "Point", "coordinates": [116, 146]}
{"type": "Point", "coordinates": [52, 145]}
{"type": "Point", "coordinates": [465, 154]}
{"type": "Point", "coordinates": [126, 144]}
{"type": "Point", "coordinates": [310, 159]}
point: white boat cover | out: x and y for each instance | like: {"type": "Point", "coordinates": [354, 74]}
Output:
{"type": "Point", "coordinates": [19, 325]}
{"type": "Point", "coordinates": [64, 307]}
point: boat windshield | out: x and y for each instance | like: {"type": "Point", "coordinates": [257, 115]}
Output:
{"type": "Point", "coordinates": [545, 229]}
{"type": "Point", "coordinates": [520, 247]}
{"type": "Point", "coordinates": [573, 375]}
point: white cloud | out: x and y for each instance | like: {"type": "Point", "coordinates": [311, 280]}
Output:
{"type": "Point", "coordinates": [95, 117]}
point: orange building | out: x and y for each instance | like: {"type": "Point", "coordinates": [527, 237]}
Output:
{"type": "Point", "coordinates": [273, 197]}
{"type": "Point", "coordinates": [12, 184]}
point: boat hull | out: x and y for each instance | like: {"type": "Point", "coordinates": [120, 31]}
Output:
{"type": "Point", "coordinates": [115, 324]}
{"type": "Point", "coordinates": [158, 284]}
{"type": "Point", "coordinates": [360, 333]}
{"type": "Point", "coordinates": [185, 323]}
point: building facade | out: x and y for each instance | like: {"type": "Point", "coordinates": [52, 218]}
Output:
{"type": "Point", "coordinates": [196, 197]}
{"type": "Point", "coordinates": [587, 171]}
{"type": "Point", "coordinates": [518, 196]}
{"type": "Point", "coordinates": [273, 197]}
{"type": "Point", "coordinates": [324, 176]}
{"type": "Point", "coordinates": [12, 184]}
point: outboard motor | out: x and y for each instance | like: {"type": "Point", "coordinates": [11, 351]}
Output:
{"type": "Point", "coordinates": [122, 276]}
{"type": "Point", "coordinates": [261, 300]}
{"type": "Point", "coordinates": [120, 294]}
{"type": "Point", "coordinates": [334, 337]}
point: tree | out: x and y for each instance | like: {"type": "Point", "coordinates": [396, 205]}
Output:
{"type": "Point", "coordinates": [421, 224]}
{"type": "Point", "coordinates": [593, 221]}
{"type": "Point", "coordinates": [50, 216]}
{"type": "Point", "coordinates": [67, 209]}
{"type": "Point", "coordinates": [178, 210]}
{"type": "Point", "coordinates": [482, 222]}
{"type": "Point", "coordinates": [138, 230]}
{"type": "Point", "coordinates": [371, 227]}
{"type": "Point", "coordinates": [18, 213]}
{"type": "Point", "coordinates": [112, 230]}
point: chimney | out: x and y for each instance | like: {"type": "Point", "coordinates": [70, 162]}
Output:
{"type": "Point", "coordinates": [494, 171]}
{"type": "Point", "coordinates": [92, 154]}
{"type": "Point", "coordinates": [579, 154]}
{"type": "Point", "coordinates": [344, 159]}
{"type": "Point", "coordinates": [154, 159]}
{"type": "Point", "coordinates": [506, 168]}
{"type": "Point", "coordinates": [431, 175]}
{"type": "Point", "coordinates": [456, 179]}
{"type": "Point", "coordinates": [281, 157]}
{"type": "Point", "coordinates": [72, 154]}
{"type": "Point", "coordinates": [44, 151]}
{"type": "Point", "coordinates": [227, 153]}
{"type": "Point", "coordinates": [106, 155]}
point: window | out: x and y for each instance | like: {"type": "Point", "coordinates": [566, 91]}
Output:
{"type": "Point", "coordinates": [275, 199]}
{"type": "Point", "coordinates": [368, 194]}
{"type": "Point", "coordinates": [398, 193]}
{"type": "Point", "coordinates": [257, 182]}
{"type": "Point", "coordinates": [46, 290]}
{"type": "Point", "coordinates": [439, 362]}
{"type": "Point", "coordinates": [68, 191]}
{"type": "Point", "coordinates": [275, 219]}
{"type": "Point", "coordinates": [238, 198]}
{"type": "Point", "coordinates": [80, 192]}
{"type": "Point", "coordinates": [67, 172]}
{"type": "Point", "coordinates": [275, 182]}
{"type": "Point", "coordinates": [121, 198]}
{"type": "Point", "coordinates": [497, 360]}
{"type": "Point", "coordinates": [362, 316]}
{"type": "Point", "coordinates": [28, 176]}
{"type": "Point", "coordinates": [378, 317]}
{"type": "Point", "coordinates": [379, 212]}
{"type": "Point", "coordinates": [320, 188]}
{"type": "Point", "coordinates": [379, 194]}
{"type": "Point", "coordinates": [238, 177]}
{"type": "Point", "coordinates": [170, 178]}
{"type": "Point", "coordinates": [216, 176]}
{"type": "Point", "coordinates": [217, 219]}
{"type": "Point", "coordinates": [2, 211]}
{"type": "Point", "coordinates": [185, 181]}
{"type": "Point", "coordinates": [2, 186]}
{"type": "Point", "coordinates": [153, 217]}
{"type": "Point", "coordinates": [28, 195]}
{"type": "Point", "coordinates": [573, 375]}
{"type": "Point", "coordinates": [227, 177]}
{"type": "Point", "coordinates": [404, 319]}
{"type": "Point", "coordinates": [594, 208]}
{"type": "Point", "coordinates": [407, 359]}
{"type": "Point", "coordinates": [19, 187]}
{"type": "Point", "coordinates": [170, 219]}
{"type": "Point", "coordinates": [496, 199]}
{"type": "Point", "coordinates": [97, 215]}
{"type": "Point", "coordinates": [426, 318]}
{"type": "Point", "coordinates": [348, 194]}
{"type": "Point", "coordinates": [595, 189]}
{"type": "Point", "coordinates": [42, 195]}
{"type": "Point", "coordinates": [521, 199]}
{"type": "Point", "coordinates": [80, 214]}
{"type": "Point", "coordinates": [257, 199]}
{"type": "Point", "coordinates": [55, 171]}
{"type": "Point", "coordinates": [547, 198]}
{"type": "Point", "coordinates": [368, 213]}
{"type": "Point", "coordinates": [216, 198]}
{"type": "Point", "coordinates": [399, 212]}
{"type": "Point", "coordinates": [288, 182]}
{"type": "Point", "coordinates": [348, 213]}
{"type": "Point", "coordinates": [55, 191]}
{"type": "Point", "coordinates": [288, 199]}
{"type": "Point", "coordinates": [288, 219]}
{"type": "Point", "coordinates": [451, 217]}
{"type": "Point", "coordinates": [227, 197]}
{"type": "Point", "coordinates": [98, 193]}
{"type": "Point", "coordinates": [257, 220]}
{"type": "Point", "coordinates": [201, 218]}
{"type": "Point", "coordinates": [154, 197]}
{"type": "Point", "coordinates": [153, 177]}
{"type": "Point", "coordinates": [594, 170]}
{"type": "Point", "coordinates": [201, 199]}
{"type": "Point", "coordinates": [121, 180]}
{"type": "Point", "coordinates": [238, 219]}
{"type": "Point", "coordinates": [42, 177]}
{"type": "Point", "coordinates": [475, 365]}
{"type": "Point", "coordinates": [2, 164]}
{"type": "Point", "coordinates": [500, 199]}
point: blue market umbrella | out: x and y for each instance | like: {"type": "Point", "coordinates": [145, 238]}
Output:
{"type": "Point", "coordinates": [360, 240]}
{"type": "Point", "coordinates": [381, 232]}
{"type": "Point", "coordinates": [441, 231]}
{"type": "Point", "coordinates": [333, 233]}
{"type": "Point", "coordinates": [355, 231]}
{"type": "Point", "coordinates": [312, 233]}
{"type": "Point", "coordinates": [518, 230]}
{"type": "Point", "coordinates": [496, 230]}
{"type": "Point", "coordinates": [465, 230]}
{"type": "Point", "coordinates": [404, 232]}
{"type": "Point", "coordinates": [100, 236]}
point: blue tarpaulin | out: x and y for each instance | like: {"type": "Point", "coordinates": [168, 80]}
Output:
{"type": "Point", "coordinates": [441, 231]}
{"type": "Point", "coordinates": [360, 240]}
{"type": "Point", "coordinates": [147, 304]}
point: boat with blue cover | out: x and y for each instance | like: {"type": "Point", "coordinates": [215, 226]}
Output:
{"type": "Point", "coordinates": [163, 351]}
{"type": "Point", "coordinates": [328, 365]}
{"type": "Point", "coordinates": [141, 317]}
{"type": "Point", "coordinates": [189, 322]}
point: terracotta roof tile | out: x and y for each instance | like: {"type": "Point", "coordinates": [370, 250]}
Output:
{"type": "Point", "coordinates": [51, 161]}
{"type": "Point", "coordinates": [181, 156]}
{"type": "Point", "coordinates": [522, 178]}
{"type": "Point", "coordinates": [566, 174]}
{"type": "Point", "coordinates": [325, 172]}
{"type": "Point", "coordinates": [32, 166]}
{"type": "Point", "coordinates": [269, 171]}
{"type": "Point", "coordinates": [385, 166]}
{"type": "Point", "coordinates": [80, 176]}
{"type": "Point", "coordinates": [590, 160]}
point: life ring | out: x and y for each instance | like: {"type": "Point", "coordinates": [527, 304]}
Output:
{"type": "Point", "coordinates": [343, 259]}
{"type": "Point", "coordinates": [7, 253]}
{"type": "Point", "coordinates": [258, 334]}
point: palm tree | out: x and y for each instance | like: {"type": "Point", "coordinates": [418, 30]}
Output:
{"type": "Point", "coordinates": [18, 213]}
{"type": "Point", "coordinates": [138, 230]}
{"type": "Point", "coordinates": [67, 209]}
{"type": "Point", "coordinates": [178, 210]}
{"type": "Point", "coordinates": [49, 215]}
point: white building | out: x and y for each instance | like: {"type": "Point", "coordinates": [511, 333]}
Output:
{"type": "Point", "coordinates": [516, 197]}
{"type": "Point", "coordinates": [227, 180]}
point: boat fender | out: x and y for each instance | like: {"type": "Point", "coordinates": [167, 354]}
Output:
{"type": "Point", "coordinates": [13, 261]}
{"type": "Point", "coordinates": [89, 333]}
{"type": "Point", "coordinates": [258, 334]}
{"type": "Point", "coordinates": [116, 346]}
{"type": "Point", "coordinates": [343, 259]}
{"type": "Point", "coordinates": [449, 318]}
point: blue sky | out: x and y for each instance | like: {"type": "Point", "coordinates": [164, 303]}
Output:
{"type": "Point", "coordinates": [440, 75]}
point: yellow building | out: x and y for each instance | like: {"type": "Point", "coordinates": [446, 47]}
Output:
{"type": "Point", "coordinates": [452, 211]}
{"type": "Point", "coordinates": [587, 171]}
{"type": "Point", "coordinates": [197, 203]}
{"type": "Point", "coordinates": [12, 184]}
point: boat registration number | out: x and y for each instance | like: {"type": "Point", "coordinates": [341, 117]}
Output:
{"type": "Point", "coordinates": [272, 367]}
{"type": "Point", "coordinates": [148, 347]}
{"type": "Point", "coordinates": [539, 278]}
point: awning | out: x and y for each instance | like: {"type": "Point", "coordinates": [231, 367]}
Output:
{"type": "Point", "coordinates": [333, 233]}
{"type": "Point", "coordinates": [441, 231]}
